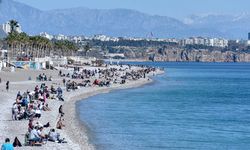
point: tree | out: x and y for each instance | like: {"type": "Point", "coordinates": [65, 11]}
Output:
{"type": "Point", "coordinates": [13, 26]}
{"type": "Point", "coordinates": [87, 48]}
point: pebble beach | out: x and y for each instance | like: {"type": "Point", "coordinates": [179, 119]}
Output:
{"type": "Point", "coordinates": [74, 132]}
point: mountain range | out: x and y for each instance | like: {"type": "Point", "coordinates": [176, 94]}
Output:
{"type": "Point", "coordinates": [122, 22]}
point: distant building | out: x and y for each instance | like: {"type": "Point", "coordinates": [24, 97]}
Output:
{"type": "Point", "coordinates": [214, 42]}
{"type": "Point", "coordinates": [61, 37]}
{"type": "Point", "coordinates": [248, 41]}
{"type": "Point", "coordinates": [46, 35]}
{"type": "Point", "coordinates": [6, 28]}
{"type": "Point", "coordinates": [105, 38]}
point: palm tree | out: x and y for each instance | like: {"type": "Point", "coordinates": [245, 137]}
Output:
{"type": "Point", "coordinates": [13, 25]}
{"type": "Point", "coordinates": [87, 48]}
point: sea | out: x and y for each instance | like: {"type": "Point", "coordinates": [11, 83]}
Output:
{"type": "Point", "coordinates": [203, 106]}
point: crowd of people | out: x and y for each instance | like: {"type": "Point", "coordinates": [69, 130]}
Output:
{"type": "Point", "coordinates": [103, 77]}
{"type": "Point", "coordinates": [43, 77]}
{"type": "Point", "coordinates": [30, 105]}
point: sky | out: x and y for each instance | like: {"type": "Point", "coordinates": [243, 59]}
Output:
{"type": "Point", "coordinates": [171, 8]}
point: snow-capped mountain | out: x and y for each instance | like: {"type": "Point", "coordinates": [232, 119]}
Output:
{"type": "Point", "coordinates": [230, 26]}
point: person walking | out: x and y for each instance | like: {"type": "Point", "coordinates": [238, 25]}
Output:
{"type": "Point", "coordinates": [61, 113]}
{"type": "Point", "coordinates": [7, 85]}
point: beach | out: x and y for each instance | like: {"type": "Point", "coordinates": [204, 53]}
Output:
{"type": "Point", "coordinates": [75, 132]}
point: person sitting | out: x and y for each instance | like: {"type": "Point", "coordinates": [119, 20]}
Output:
{"type": "Point", "coordinates": [53, 90]}
{"type": "Point", "coordinates": [18, 94]}
{"type": "Point", "coordinates": [40, 133]}
{"type": "Point", "coordinates": [14, 111]}
{"type": "Point", "coordinates": [40, 97]}
{"type": "Point", "coordinates": [34, 136]}
{"type": "Point", "coordinates": [59, 91]}
{"type": "Point", "coordinates": [7, 145]}
{"type": "Point", "coordinates": [38, 113]}
{"type": "Point", "coordinates": [17, 143]}
{"type": "Point", "coordinates": [24, 102]}
{"type": "Point", "coordinates": [50, 78]}
{"type": "Point", "coordinates": [20, 113]}
{"type": "Point", "coordinates": [45, 107]}
{"type": "Point", "coordinates": [45, 78]}
{"type": "Point", "coordinates": [30, 125]}
{"type": "Point", "coordinates": [96, 82]}
{"type": "Point", "coordinates": [28, 113]}
{"type": "Point", "coordinates": [59, 124]}
{"type": "Point", "coordinates": [53, 136]}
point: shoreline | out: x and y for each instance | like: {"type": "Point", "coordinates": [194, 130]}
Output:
{"type": "Point", "coordinates": [76, 124]}
{"type": "Point", "coordinates": [75, 131]}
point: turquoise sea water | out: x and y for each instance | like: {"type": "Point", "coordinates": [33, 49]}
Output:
{"type": "Point", "coordinates": [192, 106]}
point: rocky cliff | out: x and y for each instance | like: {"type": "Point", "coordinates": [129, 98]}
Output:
{"type": "Point", "coordinates": [183, 55]}
{"type": "Point", "coordinates": [201, 56]}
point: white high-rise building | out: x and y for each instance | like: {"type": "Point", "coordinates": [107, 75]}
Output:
{"type": "Point", "coordinates": [6, 27]}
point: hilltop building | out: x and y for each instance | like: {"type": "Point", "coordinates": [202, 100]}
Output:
{"type": "Point", "coordinates": [46, 35]}
{"type": "Point", "coordinates": [105, 38]}
{"type": "Point", "coordinates": [214, 42]}
{"type": "Point", "coordinates": [61, 37]}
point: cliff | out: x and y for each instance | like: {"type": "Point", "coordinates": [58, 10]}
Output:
{"type": "Point", "coordinates": [182, 55]}
{"type": "Point", "coordinates": [201, 56]}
